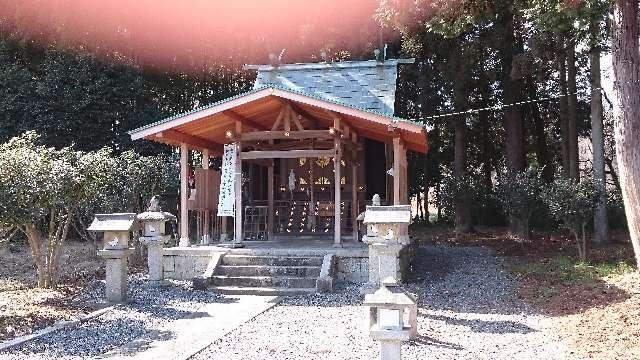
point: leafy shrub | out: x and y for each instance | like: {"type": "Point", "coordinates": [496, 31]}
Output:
{"type": "Point", "coordinates": [519, 194]}
{"type": "Point", "coordinates": [44, 191]}
{"type": "Point", "coordinates": [464, 194]}
{"type": "Point", "coordinates": [41, 191]}
{"type": "Point", "coordinates": [573, 203]}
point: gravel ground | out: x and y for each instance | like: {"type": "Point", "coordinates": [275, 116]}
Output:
{"type": "Point", "coordinates": [128, 326]}
{"type": "Point", "coordinates": [468, 309]}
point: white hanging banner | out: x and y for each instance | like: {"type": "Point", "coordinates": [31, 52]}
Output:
{"type": "Point", "coordinates": [227, 198]}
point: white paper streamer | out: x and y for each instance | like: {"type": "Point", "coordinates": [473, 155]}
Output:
{"type": "Point", "coordinates": [227, 198]}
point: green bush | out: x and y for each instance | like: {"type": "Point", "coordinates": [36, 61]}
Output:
{"type": "Point", "coordinates": [519, 194]}
{"type": "Point", "coordinates": [44, 191]}
{"type": "Point", "coordinates": [573, 204]}
{"type": "Point", "coordinates": [470, 195]}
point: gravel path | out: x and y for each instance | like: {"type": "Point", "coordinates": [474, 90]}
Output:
{"type": "Point", "coordinates": [468, 310]}
{"type": "Point", "coordinates": [132, 326]}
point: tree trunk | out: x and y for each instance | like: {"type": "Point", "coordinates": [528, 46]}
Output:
{"type": "Point", "coordinates": [35, 243]}
{"type": "Point", "coordinates": [463, 203]}
{"type": "Point", "coordinates": [597, 143]}
{"type": "Point", "coordinates": [487, 148]}
{"type": "Point", "coordinates": [540, 137]}
{"type": "Point", "coordinates": [572, 101]}
{"type": "Point", "coordinates": [512, 90]}
{"type": "Point", "coordinates": [626, 69]}
{"type": "Point", "coordinates": [564, 115]}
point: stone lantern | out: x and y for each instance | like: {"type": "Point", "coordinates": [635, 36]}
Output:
{"type": "Point", "coordinates": [392, 318]}
{"type": "Point", "coordinates": [387, 236]}
{"type": "Point", "coordinates": [116, 230]}
{"type": "Point", "coordinates": [154, 235]}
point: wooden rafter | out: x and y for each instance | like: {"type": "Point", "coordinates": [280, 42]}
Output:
{"type": "Point", "coordinates": [300, 111]}
{"type": "Point", "coordinates": [194, 141]}
{"type": "Point", "coordinates": [244, 120]}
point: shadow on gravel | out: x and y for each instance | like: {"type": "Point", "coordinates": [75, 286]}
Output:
{"type": "Point", "coordinates": [426, 340]}
{"type": "Point", "coordinates": [162, 311]}
{"type": "Point", "coordinates": [476, 325]}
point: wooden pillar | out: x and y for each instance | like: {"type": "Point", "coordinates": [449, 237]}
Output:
{"type": "Point", "coordinates": [311, 222]}
{"type": "Point", "coordinates": [237, 221]}
{"type": "Point", "coordinates": [388, 156]}
{"type": "Point", "coordinates": [206, 238]}
{"type": "Point", "coordinates": [271, 213]}
{"type": "Point", "coordinates": [354, 188]}
{"type": "Point", "coordinates": [184, 190]}
{"type": "Point", "coordinates": [400, 173]}
{"type": "Point", "coordinates": [336, 185]}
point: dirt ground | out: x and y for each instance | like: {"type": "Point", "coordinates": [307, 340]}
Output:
{"type": "Point", "coordinates": [24, 308]}
{"type": "Point", "coordinates": [595, 305]}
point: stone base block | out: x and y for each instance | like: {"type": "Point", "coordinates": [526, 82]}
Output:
{"type": "Point", "coordinates": [116, 274]}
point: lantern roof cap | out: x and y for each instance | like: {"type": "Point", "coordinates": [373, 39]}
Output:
{"type": "Point", "coordinates": [389, 295]}
{"type": "Point", "coordinates": [113, 222]}
{"type": "Point", "coordinates": [388, 214]}
{"type": "Point", "coordinates": [156, 215]}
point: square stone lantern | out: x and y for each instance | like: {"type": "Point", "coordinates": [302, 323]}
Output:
{"type": "Point", "coordinates": [392, 318]}
{"type": "Point", "coordinates": [116, 230]}
{"type": "Point", "coordinates": [388, 224]}
{"type": "Point", "coordinates": [387, 236]}
{"type": "Point", "coordinates": [154, 235]}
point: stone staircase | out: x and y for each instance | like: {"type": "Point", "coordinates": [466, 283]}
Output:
{"type": "Point", "coordinates": [266, 275]}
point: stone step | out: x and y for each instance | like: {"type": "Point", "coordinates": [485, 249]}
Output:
{"type": "Point", "coordinates": [271, 260]}
{"type": "Point", "coordinates": [263, 281]}
{"type": "Point", "coordinates": [265, 270]}
{"type": "Point", "coordinates": [263, 291]}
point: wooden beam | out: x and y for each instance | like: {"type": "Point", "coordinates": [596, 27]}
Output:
{"type": "Point", "coordinates": [295, 120]}
{"type": "Point", "coordinates": [270, 202]}
{"type": "Point", "coordinates": [281, 115]}
{"type": "Point", "coordinates": [288, 154]}
{"type": "Point", "coordinates": [400, 173]}
{"type": "Point", "coordinates": [282, 135]}
{"type": "Point", "coordinates": [194, 141]}
{"type": "Point", "coordinates": [260, 162]}
{"type": "Point", "coordinates": [336, 186]}
{"type": "Point", "coordinates": [354, 189]}
{"type": "Point", "coordinates": [205, 224]}
{"type": "Point", "coordinates": [244, 120]}
{"type": "Point", "coordinates": [184, 189]}
{"type": "Point", "coordinates": [302, 144]}
{"type": "Point", "coordinates": [237, 221]}
{"type": "Point", "coordinates": [287, 118]}
{"type": "Point", "coordinates": [300, 111]}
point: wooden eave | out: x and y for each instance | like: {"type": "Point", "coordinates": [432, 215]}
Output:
{"type": "Point", "coordinates": [258, 110]}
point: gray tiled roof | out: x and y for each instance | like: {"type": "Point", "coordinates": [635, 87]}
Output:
{"type": "Point", "coordinates": [368, 85]}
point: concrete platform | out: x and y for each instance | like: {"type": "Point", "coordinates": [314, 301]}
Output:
{"type": "Point", "coordinates": [288, 247]}
{"type": "Point", "coordinates": [185, 263]}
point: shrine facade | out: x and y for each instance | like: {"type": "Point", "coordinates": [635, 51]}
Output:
{"type": "Point", "coordinates": [304, 151]}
